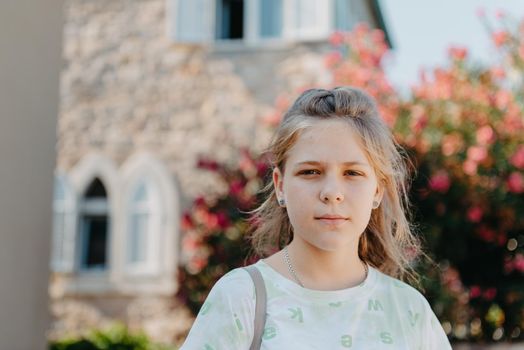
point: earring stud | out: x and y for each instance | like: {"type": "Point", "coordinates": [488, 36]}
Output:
{"type": "Point", "coordinates": [281, 202]}
{"type": "Point", "coordinates": [375, 204]}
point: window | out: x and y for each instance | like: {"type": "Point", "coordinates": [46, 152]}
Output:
{"type": "Point", "coordinates": [201, 21]}
{"type": "Point", "coordinates": [147, 216]}
{"type": "Point", "coordinates": [142, 221]}
{"type": "Point", "coordinates": [94, 222]}
{"type": "Point", "coordinates": [230, 19]}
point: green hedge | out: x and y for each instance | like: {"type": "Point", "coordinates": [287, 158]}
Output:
{"type": "Point", "coordinates": [117, 337]}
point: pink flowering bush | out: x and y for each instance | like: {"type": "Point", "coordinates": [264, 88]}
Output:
{"type": "Point", "coordinates": [213, 230]}
{"type": "Point", "coordinates": [463, 126]}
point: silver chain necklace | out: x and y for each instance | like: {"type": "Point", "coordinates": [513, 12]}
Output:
{"type": "Point", "coordinates": [292, 270]}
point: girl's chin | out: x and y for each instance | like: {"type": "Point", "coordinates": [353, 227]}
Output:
{"type": "Point", "coordinates": [332, 242]}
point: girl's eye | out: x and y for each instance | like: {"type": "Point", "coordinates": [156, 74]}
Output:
{"type": "Point", "coordinates": [308, 172]}
{"type": "Point", "coordinates": [313, 171]}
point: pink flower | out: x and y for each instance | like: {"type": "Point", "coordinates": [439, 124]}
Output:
{"type": "Point", "coordinates": [485, 135]}
{"type": "Point", "coordinates": [419, 118]}
{"type": "Point", "coordinates": [500, 14]}
{"type": "Point", "coordinates": [500, 38]}
{"type": "Point", "coordinates": [440, 182]}
{"type": "Point", "coordinates": [469, 167]}
{"type": "Point", "coordinates": [262, 168]}
{"type": "Point", "coordinates": [211, 221]}
{"type": "Point", "coordinates": [236, 187]}
{"type": "Point", "coordinates": [475, 292]}
{"type": "Point", "coordinates": [207, 164]}
{"type": "Point", "coordinates": [475, 214]}
{"type": "Point", "coordinates": [515, 263]}
{"type": "Point", "coordinates": [489, 294]}
{"type": "Point", "coordinates": [246, 164]}
{"type": "Point", "coordinates": [200, 202]}
{"type": "Point", "coordinates": [223, 220]}
{"type": "Point", "coordinates": [451, 144]}
{"type": "Point", "coordinates": [377, 36]}
{"type": "Point", "coordinates": [518, 263]}
{"type": "Point", "coordinates": [502, 238]}
{"type": "Point", "coordinates": [332, 59]}
{"type": "Point", "coordinates": [498, 73]}
{"type": "Point", "coordinates": [517, 159]}
{"type": "Point", "coordinates": [487, 234]}
{"type": "Point", "coordinates": [336, 38]}
{"type": "Point", "coordinates": [196, 264]}
{"type": "Point", "coordinates": [515, 182]}
{"type": "Point", "coordinates": [190, 243]}
{"type": "Point", "coordinates": [187, 222]}
{"type": "Point", "coordinates": [503, 99]}
{"type": "Point", "coordinates": [477, 153]}
{"type": "Point", "coordinates": [457, 53]}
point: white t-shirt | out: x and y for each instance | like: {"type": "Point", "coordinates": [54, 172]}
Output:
{"type": "Point", "coordinates": [382, 313]}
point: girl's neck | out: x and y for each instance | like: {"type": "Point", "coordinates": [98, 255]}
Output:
{"type": "Point", "coordinates": [321, 269]}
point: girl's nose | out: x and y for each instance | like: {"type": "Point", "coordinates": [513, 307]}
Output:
{"type": "Point", "coordinates": [332, 191]}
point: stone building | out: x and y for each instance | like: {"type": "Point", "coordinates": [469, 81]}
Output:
{"type": "Point", "coordinates": [146, 87]}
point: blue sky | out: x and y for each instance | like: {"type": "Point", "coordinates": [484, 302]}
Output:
{"type": "Point", "coordinates": [423, 30]}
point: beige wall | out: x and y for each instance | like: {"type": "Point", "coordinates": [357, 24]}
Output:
{"type": "Point", "coordinates": [30, 41]}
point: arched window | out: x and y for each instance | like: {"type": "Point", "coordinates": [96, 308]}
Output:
{"type": "Point", "coordinates": [148, 236]}
{"type": "Point", "coordinates": [63, 238]}
{"type": "Point", "coordinates": [143, 226]}
{"type": "Point", "coordinates": [94, 224]}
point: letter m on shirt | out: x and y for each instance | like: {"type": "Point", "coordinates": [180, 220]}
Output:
{"type": "Point", "coordinates": [374, 305]}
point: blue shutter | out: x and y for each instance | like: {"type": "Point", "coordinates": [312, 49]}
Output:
{"type": "Point", "coordinates": [191, 21]}
{"type": "Point", "coordinates": [270, 18]}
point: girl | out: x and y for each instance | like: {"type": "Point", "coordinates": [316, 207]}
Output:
{"type": "Point", "coordinates": [337, 205]}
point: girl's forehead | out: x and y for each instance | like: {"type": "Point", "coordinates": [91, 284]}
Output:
{"type": "Point", "coordinates": [327, 142]}
{"type": "Point", "coordinates": [328, 134]}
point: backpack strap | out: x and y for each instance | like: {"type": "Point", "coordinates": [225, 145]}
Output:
{"type": "Point", "coordinates": [260, 306]}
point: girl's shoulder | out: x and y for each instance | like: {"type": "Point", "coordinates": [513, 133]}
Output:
{"type": "Point", "coordinates": [236, 283]}
{"type": "Point", "coordinates": [402, 291]}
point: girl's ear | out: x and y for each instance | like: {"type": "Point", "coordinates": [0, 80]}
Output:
{"type": "Point", "coordinates": [277, 182]}
{"type": "Point", "coordinates": [379, 194]}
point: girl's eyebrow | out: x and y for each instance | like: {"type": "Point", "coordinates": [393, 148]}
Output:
{"type": "Point", "coordinates": [312, 162]}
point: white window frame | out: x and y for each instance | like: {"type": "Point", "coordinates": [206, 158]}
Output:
{"type": "Point", "coordinates": [252, 37]}
{"type": "Point", "coordinates": [153, 207]}
{"type": "Point", "coordinates": [159, 275]}
{"type": "Point", "coordinates": [95, 165]}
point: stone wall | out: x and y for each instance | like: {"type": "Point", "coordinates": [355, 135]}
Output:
{"type": "Point", "coordinates": [126, 86]}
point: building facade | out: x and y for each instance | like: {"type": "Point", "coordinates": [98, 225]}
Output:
{"type": "Point", "coordinates": [147, 86]}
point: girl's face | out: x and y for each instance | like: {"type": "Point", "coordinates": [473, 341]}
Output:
{"type": "Point", "coordinates": [327, 175]}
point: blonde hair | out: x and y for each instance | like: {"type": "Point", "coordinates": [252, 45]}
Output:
{"type": "Point", "coordinates": [388, 243]}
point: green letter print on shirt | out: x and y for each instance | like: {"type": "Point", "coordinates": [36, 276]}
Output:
{"type": "Point", "coordinates": [297, 313]}
{"type": "Point", "coordinates": [375, 305]}
{"type": "Point", "coordinates": [346, 341]}
{"type": "Point", "coordinates": [413, 318]}
{"type": "Point", "coordinates": [386, 338]}
{"type": "Point", "coordinates": [269, 333]}
{"type": "Point", "coordinates": [238, 323]}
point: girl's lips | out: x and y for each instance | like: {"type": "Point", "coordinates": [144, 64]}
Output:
{"type": "Point", "coordinates": [332, 222]}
